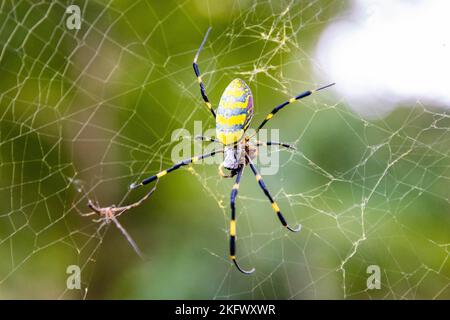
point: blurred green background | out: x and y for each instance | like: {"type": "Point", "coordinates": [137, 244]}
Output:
{"type": "Point", "coordinates": [83, 113]}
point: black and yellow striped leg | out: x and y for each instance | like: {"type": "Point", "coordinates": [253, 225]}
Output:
{"type": "Point", "coordinates": [199, 77]}
{"type": "Point", "coordinates": [281, 106]}
{"type": "Point", "coordinates": [234, 193]}
{"type": "Point", "coordinates": [173, 168]}
{"type": "Point", "coordinates": [268, 195]}
{"type": "Point", "coordinates": [275, 143]}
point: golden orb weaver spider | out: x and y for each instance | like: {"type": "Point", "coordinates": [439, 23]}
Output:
{"type": "Point", "coordinates": [233, 118]}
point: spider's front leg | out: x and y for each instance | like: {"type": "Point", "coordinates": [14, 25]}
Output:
{"type": "Point", "coordinates": [173, 168]}
{"type": "Point", "coordinates": [199, 77]}
{"type": "Point", "coordinates": [276, 143]}
{"type": "Point", "coordinates": [290, 101]}
{"type": "Point", "coordinates": [234, 158]}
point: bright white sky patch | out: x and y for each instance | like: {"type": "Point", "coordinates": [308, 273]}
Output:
{"type": "Point", "coordinates": [387, 52]}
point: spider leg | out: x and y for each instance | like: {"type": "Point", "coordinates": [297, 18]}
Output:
{"type": "Point", "coordinates": [224, 175]}
{"type": "Point", "coordinates": [208, 139]}
{"type": "Point", "coordinates": [292, 100]}
{"type": "Point", "coordinates": [276, 143]}
{"type": "Point", "coordinates": [94, 207]}
{"type": "Point", "coordinates": [199, 77]}
{"type": "Point", "coordinates": [134, 205]}
{"type": "Point", "coordinates": [234, 193]}
{"type": "Point", "coordinates": [88, 214]}
{"type": "Point", "coordinates": [173, 168]}
{"type": "Point", "coordinates": [100, 228]}
{"type": "Point", "coordinates": [268, 195]}
{"type": "Point", "coordinates": [128, 237]}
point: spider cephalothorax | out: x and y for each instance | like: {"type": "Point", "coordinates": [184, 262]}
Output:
{"type": "Point", "coordinates": [234, 114]}
{"type": "Point", "coordinates": [235, 156]}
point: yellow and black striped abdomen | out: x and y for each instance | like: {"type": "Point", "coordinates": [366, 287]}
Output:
{"type": "Point", "coordinates": [234, 112]}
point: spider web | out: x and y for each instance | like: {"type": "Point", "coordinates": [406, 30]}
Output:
{"type": "Point", "coordinates": [86, 112]}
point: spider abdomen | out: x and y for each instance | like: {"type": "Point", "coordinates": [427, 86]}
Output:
{"type": "Point", "coordinates": [234, 113]}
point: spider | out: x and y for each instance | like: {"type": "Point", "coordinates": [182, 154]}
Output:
{"type": "Point", "coordinates": [233, 118]}
{"type": "Point", "coordinates": [111, 213]}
